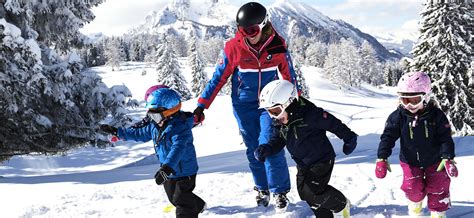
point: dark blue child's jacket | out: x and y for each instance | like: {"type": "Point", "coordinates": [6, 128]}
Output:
{"type": "Point", "coordinates": [305, 134]}
{"type": "Point", "coordinates": [173, 142]}
{"type": "Point", "coordinates": [424, 138]}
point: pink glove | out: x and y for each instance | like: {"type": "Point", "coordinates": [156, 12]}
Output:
{"type": "Point", "coordinates": [381, 167]}
{"type": "Point", "coordinates": [450, 167]}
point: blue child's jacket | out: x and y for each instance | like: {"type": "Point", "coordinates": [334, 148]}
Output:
{"type": "Point", "coordinates": [173, 142]}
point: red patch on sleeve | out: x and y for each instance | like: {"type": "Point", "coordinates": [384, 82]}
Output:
{"type": "Point", "coordinates": [325, 115]}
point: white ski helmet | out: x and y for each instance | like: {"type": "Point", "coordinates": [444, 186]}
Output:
{"type": "Point", "coordinates": [277, 93]}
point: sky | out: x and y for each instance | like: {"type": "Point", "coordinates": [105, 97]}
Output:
{"type": "Point", "coordinates": [376, 17]}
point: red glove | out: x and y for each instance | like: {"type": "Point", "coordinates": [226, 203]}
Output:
{"type": "Point", "coordinates": [381, 167]}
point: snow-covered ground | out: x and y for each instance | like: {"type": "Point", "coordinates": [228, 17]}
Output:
{"type": "Point", "coordinates": [118, 181]}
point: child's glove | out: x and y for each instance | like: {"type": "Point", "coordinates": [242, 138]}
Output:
{"type": "Point", "coordinates": [162, 174]}
{"type": "Point", "coordinates": [198, 115]}
{"type": "Point", "coordinates": [108, 129]}
{"type": "Point", "coordinates": [262, 152]}
{"type": "Point", "coordinates": [450, 167]}
{"type": "Point", "coordinates": [381, 167]}
{"type": "Point", "coordinates": [350, 145]}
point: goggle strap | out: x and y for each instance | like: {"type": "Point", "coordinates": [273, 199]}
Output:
{"type": "Point", "coordinates": [171, 111]}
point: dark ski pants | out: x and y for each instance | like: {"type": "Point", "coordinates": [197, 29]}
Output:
{"type": "Point", "coordinates": [180, 194]}
{"type": "Point", "coordinates": [312, 183]}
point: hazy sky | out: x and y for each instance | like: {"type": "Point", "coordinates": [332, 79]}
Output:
{"type": "Point", "coordinates": [115, 17]}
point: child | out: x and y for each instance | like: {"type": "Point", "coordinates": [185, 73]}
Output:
{"type": "Point", "coordinates": [302, 126]}
{"type": "Point", "coordinates": [426, 146]}
{"type": "Point", "coordinates": [170, 130]}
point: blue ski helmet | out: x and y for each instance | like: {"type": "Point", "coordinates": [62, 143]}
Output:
{"type": "Point", "coordinates": [153, 88]}
{"type": "Point", "coordinates": [165, 98]}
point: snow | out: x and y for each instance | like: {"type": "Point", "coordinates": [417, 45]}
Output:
{"type": "Point", "coordinates": [117, 181]}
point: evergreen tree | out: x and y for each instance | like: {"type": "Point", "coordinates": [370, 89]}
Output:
{"type": "Point", "coordinates": [115, 53]}
{"type": "Point", "coordinates": [210, 49]}
{"type": "Point", "coordinates": [301, 80]}
{"type": "Point", "coordinates": [200, 79]}
{"type": "Point", "coordinates": [168, 70]}
{"type": "Point", "coordinates": [392, 71]}
{"type": "Point", "coordinates": [370, 67]}
{"type": "Point", "coordinates": [49, 104]}
{"type": "Point", "coordinates": [445, 51]}
{"type": "Point", "coordinates": [343, 64]}
{"type": "Point", "coordinates": [316, 53]}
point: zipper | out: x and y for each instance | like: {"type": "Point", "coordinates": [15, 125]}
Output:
{"type": "Point", "coordinates": [410, 130]}
{"type": "Point", "coordinates": [258, 61]}
{"type": "Point", "coordinates": [426, 129]}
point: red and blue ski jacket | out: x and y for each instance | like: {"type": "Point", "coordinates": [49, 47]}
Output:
{"type": "Point", "coordinates": [249, 72]}
{"type": "Point", "coordinates": [173, 142]}
{"type": "Point", "coordinates": [424, 138]}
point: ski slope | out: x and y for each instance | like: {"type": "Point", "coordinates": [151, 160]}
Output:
{"type": "Point", "coordinates": [118, 181]}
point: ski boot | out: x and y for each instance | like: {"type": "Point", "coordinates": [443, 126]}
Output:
{"type": "Point", "coordinates": [346, 212]}
{"type": "Point", "coordinates": [435, 214]}
{"type": "Point", "coordinates": [415, 208]}
{"type": "Point", "coordinates": [263, 197]}
{"type": "Point", "coordinates": [281, 201]}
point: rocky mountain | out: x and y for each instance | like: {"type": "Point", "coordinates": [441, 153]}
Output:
{"type": "Point", "coordinates": [217, 18]}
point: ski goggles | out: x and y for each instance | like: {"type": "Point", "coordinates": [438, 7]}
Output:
{"type": "Point", "coordinates": [159, 114]}
{"type": "Point", "coordinates": [277, 111]}
{"type": "Point", "coordinates": [254, 30]}
{"type": "Point", "coordinates": [156, 115]}
{"type": "Point", "coordinates": [411, 100]}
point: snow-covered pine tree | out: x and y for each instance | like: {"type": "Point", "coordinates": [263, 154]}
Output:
{"type": "Point", "coordinates": [445, 51]}
{"type": "Point", "coordinates": [210, 49]}
{"type": "Point", "coordinates": [168, 70]}
{"type": "Point", "coordinates": [301, 80]}
{"type": "Point", "coordinates": [392, 71]}
{"type": "Point", "coordinates": [316, 53]}
{"type": "Point", "coordinates": [199, 81]}
{"type": "Point", "coordinates": [114, 53]}
{"type": "Point", "coordinates": [470, 96]}
{"type": "Point", "coordinates": [342, 65]}
{"type": "Point", "coordinates": [298, 47]}
{"type": "Point", "coordinates": [371, 70]}
{"type": "Point", "coordinates": [49, 104]}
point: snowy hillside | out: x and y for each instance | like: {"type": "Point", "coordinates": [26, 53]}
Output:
{"type": "Point", "coordinates": [118, 181]}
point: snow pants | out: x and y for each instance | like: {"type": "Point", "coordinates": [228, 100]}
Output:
{"type": "Point", "coordinates": [420, 182]}
{"type": "Point", "coordinates": [312, 183]}
{"type": "Point", "coordinates": [180, 194]}
{"type": "Point", "coordinates": [256, 129]}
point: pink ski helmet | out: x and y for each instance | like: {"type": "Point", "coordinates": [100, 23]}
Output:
{"type": "Point", "coordinates": [414, 90]}
{"type": "Point", "coordinates": [414, 82]}
{"type": "Point", "coordinates": [152, 89]}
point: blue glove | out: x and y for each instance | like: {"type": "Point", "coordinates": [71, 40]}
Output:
{"type": "Point", "coordinates": [262, 152]}
{"type": "Point", "coordinates": [350, 145]}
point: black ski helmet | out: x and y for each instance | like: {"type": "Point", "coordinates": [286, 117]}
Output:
{"type": "Point", "coordinates": [251, 14]}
